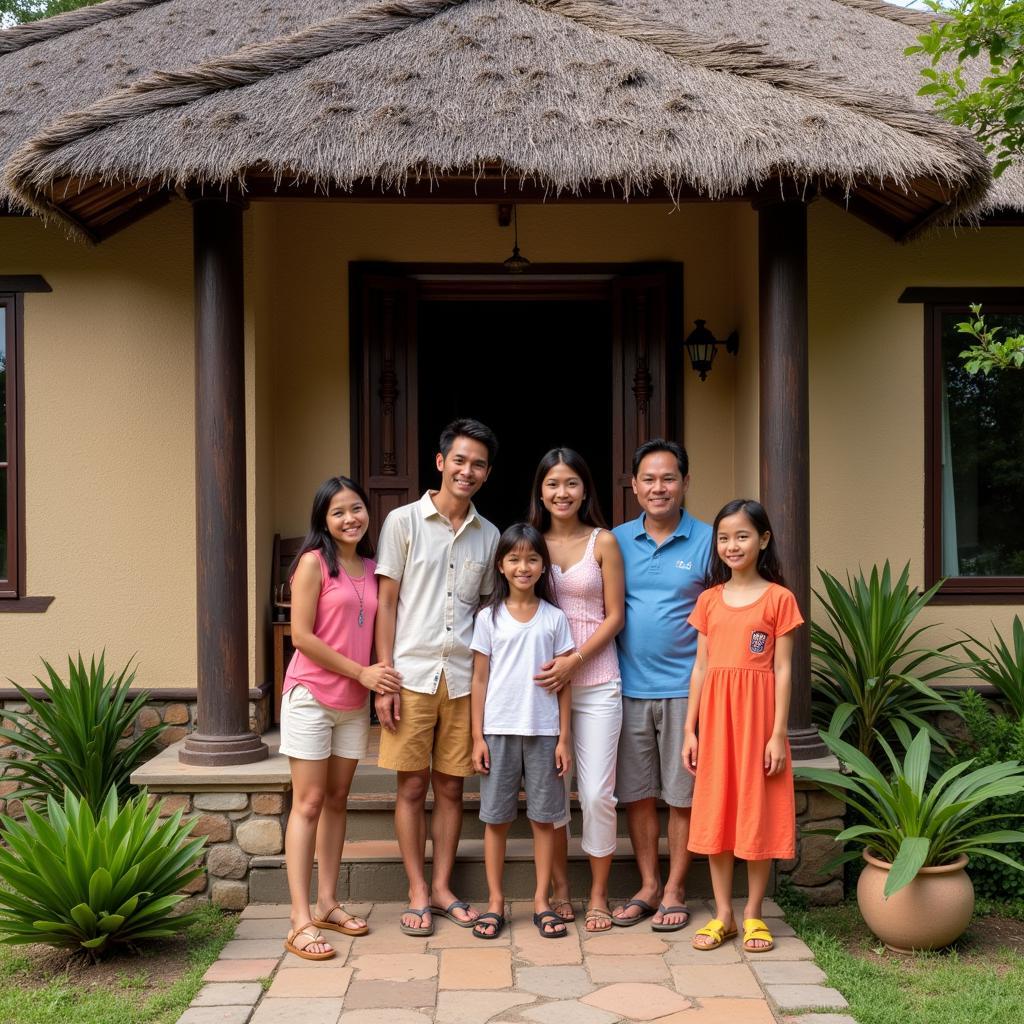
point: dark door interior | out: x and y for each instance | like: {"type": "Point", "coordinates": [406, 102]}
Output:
{"type": "Point", "coordinates": [581, 355]}
{"type": "Point", "coordinates": [538, 373]}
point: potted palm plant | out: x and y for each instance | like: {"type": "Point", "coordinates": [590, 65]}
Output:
{"type": "Point", "coordinates": [916, 837]}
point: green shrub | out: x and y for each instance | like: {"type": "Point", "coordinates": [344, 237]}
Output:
{"type": "Point", "coordinates": [994, 737]}
{"type": "Point", "coordinates": [868, 672]}
{"type": "Point", "coordinates": [75, 736]}
{"type": "Point", "coordinates": [94, 882]}
{"type": "Point", "coordinates": [1001, 665]}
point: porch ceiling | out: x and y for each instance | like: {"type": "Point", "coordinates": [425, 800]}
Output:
{"type": "Point", "coordinates": [480, 100]}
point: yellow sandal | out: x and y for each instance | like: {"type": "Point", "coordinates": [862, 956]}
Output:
{"type": "Point", "coordinates": [755, 929]}
{"type": "Point", "coordinates": [714, 929]}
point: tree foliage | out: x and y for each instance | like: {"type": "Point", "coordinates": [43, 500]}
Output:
{"type": "Point", "coordinates": [17, 12]}
{"type": "Point", "coordinates": [992, 106]}
{"type": "Point", "coordinates": [990, 352]}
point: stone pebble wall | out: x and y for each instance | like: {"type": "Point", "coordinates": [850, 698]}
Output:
{"type": "Point", "coordinates": [806, 872]}
{"type": "Point", "coordinates": [237, 826]}
{"type": "Point", "coordinates": [182, 718]}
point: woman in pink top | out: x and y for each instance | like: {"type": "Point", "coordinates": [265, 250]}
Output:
{"type": "Point", "coordinates": [325, 721]}
{"type": "Point", "coordinates": [588, 580]}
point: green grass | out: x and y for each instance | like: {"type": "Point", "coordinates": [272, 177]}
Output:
{"type": "Point", "coordinates": [64, 1001]}
{"type": "Point", "coordinates": [927, 988]}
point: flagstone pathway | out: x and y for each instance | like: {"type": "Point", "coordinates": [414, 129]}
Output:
{"type": "Point", "coordinates": [627, 974]}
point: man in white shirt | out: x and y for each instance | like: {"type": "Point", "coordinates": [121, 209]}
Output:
{"type": "Point", "coordinates": [434, 563]}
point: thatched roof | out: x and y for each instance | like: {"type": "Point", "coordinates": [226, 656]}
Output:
{"type": "Point", "coordinates": [108, 110]}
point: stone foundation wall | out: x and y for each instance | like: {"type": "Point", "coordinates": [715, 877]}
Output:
{"type": "Point", "coordinates": [181, 717]}
{"type": "Point", "coordinates": [806, 872]}
{"type": "Point", "coordinates": [238, 827]}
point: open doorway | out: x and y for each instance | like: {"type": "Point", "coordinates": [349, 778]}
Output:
{"type": "Point", "coordinates": [583, 355]}
{"type": "Point", "coordinates": [538, 373]}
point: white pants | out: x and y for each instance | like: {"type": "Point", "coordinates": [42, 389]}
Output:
{"type": "Point", "coordinates": [596, 722]}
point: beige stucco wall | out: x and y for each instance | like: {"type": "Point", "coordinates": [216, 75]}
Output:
{"type": "Point", "coordinates": [311, 309]}
{"type": "Point", "coordinates": [109, 451]}
{"type": "Point", "coordinates": [867, 393]}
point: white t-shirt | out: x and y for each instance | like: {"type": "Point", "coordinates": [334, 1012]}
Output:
{"type": "Point", "coordinates": [516, 705]}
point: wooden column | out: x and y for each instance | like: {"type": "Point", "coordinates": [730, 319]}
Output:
{"type": "Point", "coordinates": [223, 736]}
{"type": "Point", "coordinates": [785, 479]}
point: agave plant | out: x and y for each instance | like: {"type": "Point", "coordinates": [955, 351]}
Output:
{"type": "Point", "coordinates": [74, 736]}
{"type": "Point", "coordinates": [869, 676]}
{"type": "Point", "coordinates": [1000, 666]}
{"type": "Point", "coordinates": [93, 882]}
{"type": "Point", "coordinates": [910, 823]}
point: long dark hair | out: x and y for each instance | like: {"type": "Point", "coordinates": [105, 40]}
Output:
{"type": "Point", "coordinates": [525, 535]}
{"type": "Point", "coordinates": [768, 565]}
{"type": "Point", "coordinates": [319, 537]}
{"type": "Point", "coordinates": [590, 508]}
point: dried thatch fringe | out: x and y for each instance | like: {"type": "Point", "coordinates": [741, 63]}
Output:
{"type": "Point", "coordinates": [798, 77]}
{"type": "Point", "coordinates": [20, 36]}
{"type": "Point", "coordinates": [903, 15]}
{"type": "Point", "coordinates": [164, 89]}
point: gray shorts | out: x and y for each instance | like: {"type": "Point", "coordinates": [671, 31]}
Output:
{"type": "Point", "coordinates": [650, 752]}
{"type": "Point", "coordinates": [526, 760]}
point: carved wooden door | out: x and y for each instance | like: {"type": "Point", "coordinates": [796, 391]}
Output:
{"type": "Point", "coordinates": [642, 320]}
{"type": "Point", "coordinates": [385, 336]}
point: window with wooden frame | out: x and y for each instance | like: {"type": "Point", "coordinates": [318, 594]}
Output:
{"type": "Point", "coordinates": [12, 444]}
{"type": "Point", "coordinates": [11, 558]}
{"type": "Point", "coordinates": [974, 455]}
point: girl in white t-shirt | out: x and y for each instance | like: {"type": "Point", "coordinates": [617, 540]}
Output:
{"type": "Point", "coordinates": [520, 731]}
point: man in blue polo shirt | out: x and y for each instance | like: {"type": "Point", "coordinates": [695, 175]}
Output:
{"type": "Point", "coordinates": [666, 554]}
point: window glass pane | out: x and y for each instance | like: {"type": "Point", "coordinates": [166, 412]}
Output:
{"type": "Point", "coordinates": [982, 460]}
{"type": "Point", "coordinates": [3, 386]}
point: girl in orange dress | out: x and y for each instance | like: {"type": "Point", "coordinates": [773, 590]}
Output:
{"type": "Point", "coordinates": [735, 739]}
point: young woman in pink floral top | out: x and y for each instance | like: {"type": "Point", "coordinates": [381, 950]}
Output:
{"type": "Point", "coordinates": [587, 574]}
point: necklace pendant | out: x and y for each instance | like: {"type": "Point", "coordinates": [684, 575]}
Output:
{"type": "Point", "coordinates": [360, 616]}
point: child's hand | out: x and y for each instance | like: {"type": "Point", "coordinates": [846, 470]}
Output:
{"type": "Point", "coordinates": [775, 755]}
{"type": "Point", "coordinates": [689, 754]}
{"type": "Point", "coordinates": [557, 673]}
{"type": "Point", "coordinates": [481, 757]}
{"type": "Point", "coordinates": [563, 758]}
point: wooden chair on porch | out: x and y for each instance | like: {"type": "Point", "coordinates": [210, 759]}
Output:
{"type": "Point", "coordinates": [285, 550]}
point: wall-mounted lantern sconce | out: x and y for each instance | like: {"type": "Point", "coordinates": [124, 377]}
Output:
{"type": "Point", "coordinates": [701, 346]}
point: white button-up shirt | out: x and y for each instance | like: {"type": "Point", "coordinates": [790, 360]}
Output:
{"type": "Point", "coordinates": [442, 574]}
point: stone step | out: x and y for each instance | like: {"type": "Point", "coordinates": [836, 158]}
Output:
{"type": "Point", "coordinates": [371, 870]}
{"type": "Point", "coordinates": [371, 816]}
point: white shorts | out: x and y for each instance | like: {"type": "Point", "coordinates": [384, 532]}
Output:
{"type": "Point", "coordinates": [311, 731]}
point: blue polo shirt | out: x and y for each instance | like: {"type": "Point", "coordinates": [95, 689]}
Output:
{"type": "Point", "coordinates": [657, 646]}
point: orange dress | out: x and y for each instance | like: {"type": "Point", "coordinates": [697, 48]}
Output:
{"type": "Point", "coordinates": [736, 807]}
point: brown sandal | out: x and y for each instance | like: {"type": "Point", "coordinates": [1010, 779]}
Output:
{"type": "Point", "coordinates": [556, 906]}
{"type": "Point", "coordinates": [339, 926]}
{"type": "Point", "coordinates": [314, 937]}
{"type": "Point", "coordinates": [597, 914]}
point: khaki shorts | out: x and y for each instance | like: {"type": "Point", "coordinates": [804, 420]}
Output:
{"type": "Point", "coordinates": [433, 731]}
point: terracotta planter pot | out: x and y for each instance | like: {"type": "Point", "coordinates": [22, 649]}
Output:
{"type": "Point", "coordinates": [929, 913]}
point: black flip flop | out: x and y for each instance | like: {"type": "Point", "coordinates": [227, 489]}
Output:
{"type": "Point", "coordinates": [499, 924]}
{"type": "Point", "coordinates": [447, 912]}
{"type": "Point", "coordinates": [550, 917]}
{"type": "Point", "coordinates": [663, 910]}
{"type": "Point", "coordinates": [646, 910]}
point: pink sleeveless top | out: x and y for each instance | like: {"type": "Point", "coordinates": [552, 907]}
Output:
{"type": "Point", "coordinates": [580, 593]}
{"type": "Point", "coordinates": [337, 624]}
